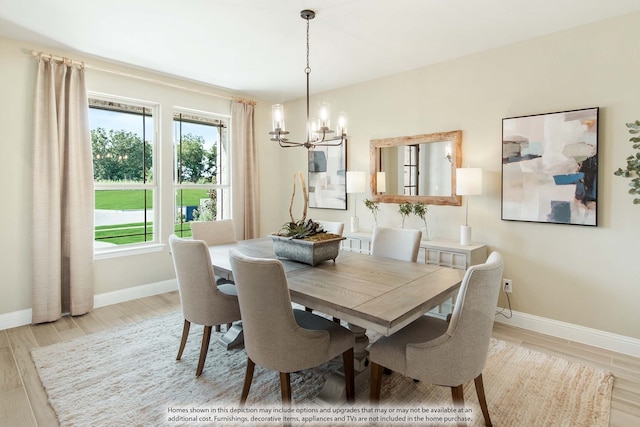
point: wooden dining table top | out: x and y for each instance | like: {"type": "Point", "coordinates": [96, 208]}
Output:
{"type": "Point", "coordinates": [375, 293]}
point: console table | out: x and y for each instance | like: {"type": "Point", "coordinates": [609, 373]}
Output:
{"type": "Point", "coordinates": [446, 253]}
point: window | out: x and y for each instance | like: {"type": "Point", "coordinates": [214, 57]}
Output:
{"type": "Point", "coordinates": [123, 142]}
{"type": "Point", "coordinates": [202, 173]}
{"type": "Point", "coordinates": [411, 155]}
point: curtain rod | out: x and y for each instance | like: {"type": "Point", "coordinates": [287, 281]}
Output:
{"type": "Point", "coordinates": [82, 64]}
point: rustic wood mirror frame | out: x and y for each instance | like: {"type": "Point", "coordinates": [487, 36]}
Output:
{"type": "Point", "coordinates": [456, 161]}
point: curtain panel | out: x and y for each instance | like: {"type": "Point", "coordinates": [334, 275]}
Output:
{"type": "Point", "coordinates": [246, 201]}
{"type": "Point", "coordinates": [63, 194]}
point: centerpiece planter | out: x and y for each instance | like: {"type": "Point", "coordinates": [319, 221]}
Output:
{"type": "Point", "coordinates": [304, 240]}
{"type": "Point", "coordinates": [310, 251]}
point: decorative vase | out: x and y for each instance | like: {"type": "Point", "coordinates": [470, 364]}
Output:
{"type": "Point", "coordinates": [426, 233]}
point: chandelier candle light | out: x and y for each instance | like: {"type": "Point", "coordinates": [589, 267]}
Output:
{"type": "Point", "coordinates": [318, 132]}
{"type": "Point", "coordinates": [468, 183]}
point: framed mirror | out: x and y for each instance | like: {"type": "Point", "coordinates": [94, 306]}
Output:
{"type": "Point", "coordinates": [419, 168]}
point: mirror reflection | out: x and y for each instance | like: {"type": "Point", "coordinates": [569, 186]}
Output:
{"type": "Point", "coordinates": [418, 168]}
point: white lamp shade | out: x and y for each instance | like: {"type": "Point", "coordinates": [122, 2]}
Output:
{"type": "Point", "coordinates": [381, 182]}
{"type": "Point", "coordinates": [356, 182]}
{"type": "Point", "coordinates": [468, 181]}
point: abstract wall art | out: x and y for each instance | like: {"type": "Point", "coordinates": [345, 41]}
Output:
{"type": "Point", "coordinates": [550, 167]}
{"type": "Point", "coordinates": [327, 171]}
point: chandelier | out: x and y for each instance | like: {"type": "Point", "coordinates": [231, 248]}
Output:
{"type": "Point", "coordinates": [318, 131]}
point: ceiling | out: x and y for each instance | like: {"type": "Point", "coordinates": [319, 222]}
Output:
{"type": "Point", "coordinates": [257, 47]}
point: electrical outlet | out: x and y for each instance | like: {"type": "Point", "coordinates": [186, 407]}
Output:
{"type": "Point", "coordinates": [507, 285]}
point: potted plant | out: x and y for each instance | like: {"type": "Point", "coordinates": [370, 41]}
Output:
{"type": "Point", "coordinates": [632, 170]}
{"type": "Point", "coordinates": [373, 207]}
{"type": "Point", "coordinates": [304, 240]}
{"type": "Point", "coordinates": [405, 210]}
{"type": "Point", "coordinates": [420, 210]}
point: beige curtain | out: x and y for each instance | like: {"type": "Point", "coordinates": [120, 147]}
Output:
{"type": "Point", "coordinates": [63, 198]}
{"type": "Point", "coordinates": [246, 203]}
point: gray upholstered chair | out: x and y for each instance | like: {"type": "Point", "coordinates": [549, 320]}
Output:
{"type": "Point", "coordinates": [213, 233]}
{"type": "Point", "coordinates": [203, 301]}
{"type": "Point", "coordinates": [332, 227]}
{"type": "Point", "coordinates": [398, 243]}
{"type": "Point", "coordinates": [278, 337]}
{"type": "Point", "coordinates": [447, 354]}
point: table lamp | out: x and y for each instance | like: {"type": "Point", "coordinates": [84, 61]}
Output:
{"type": "Point", "coordinates": [355, 184]}
{"type": "Point", "coordinates": [468, 183]}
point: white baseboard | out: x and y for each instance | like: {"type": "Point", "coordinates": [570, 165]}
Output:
{"type": "Point", "coordinates": [136, 292]}
{"type": "Point", "coordinates": [23, 317]}
{"type": "Point", "coordinates": [569, 331]}
{"type": "Point", "coordinates": [15, 319]}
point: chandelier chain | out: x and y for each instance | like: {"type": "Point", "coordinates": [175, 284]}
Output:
{"type": "Point", "coordinates": [308, 69]}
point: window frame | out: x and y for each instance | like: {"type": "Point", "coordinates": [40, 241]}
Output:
{"type": "Point", "coordinates": [201, 117]}
{"type": "Point", "coordinates": [411, 168]}
{"type": "Point", "coordinates": [154, 244]}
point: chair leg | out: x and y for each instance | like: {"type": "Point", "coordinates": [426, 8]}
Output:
{"type": "Point", "coordinates": [285, 391]}
{"type": "Point", "coordinates": [217, 328]}
{"type": "Point", "coordinates": [482, 399]}
{"type": "Point", "coordinates": [349, 376]}
{"type": "Point", "coordinates": [206, 337]}
{"type": "Point", "coordinates": [457, 393]}
{"type": "Point", "coordinates": [248, 377]}
{"type": "Point", "coordinates": [376, 384]}
{"type": "Point", "coordinates": [185, 334]}
{"type": "Point", "coordinates": [285, 388]}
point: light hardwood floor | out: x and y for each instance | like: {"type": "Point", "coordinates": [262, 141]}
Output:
{"type": "Point", "coordinates": [23, 401]}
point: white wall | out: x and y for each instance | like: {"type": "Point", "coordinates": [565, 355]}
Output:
{"type": "Point", "coordinates": [586, 276]}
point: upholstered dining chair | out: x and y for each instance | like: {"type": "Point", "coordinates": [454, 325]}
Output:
{"type": "Point", "coordinates": [332, 227]}
{"type": "Point", "coordinates": [279, 338]}
{"type": "Point", "coordinates": [203, 301]}
{"type": "Point", "coordinates": [217, 232]}
{"type": "Point", "coordinates": [398, 243]}
{"type": "Point", "coordinates": [448, 354]}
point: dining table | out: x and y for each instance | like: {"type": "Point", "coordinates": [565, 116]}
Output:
{"type": "Point", "coordinates": [370, 293]}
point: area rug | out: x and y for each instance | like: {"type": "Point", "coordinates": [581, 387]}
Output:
{"type": "Point", "coordinates": [129, 376]}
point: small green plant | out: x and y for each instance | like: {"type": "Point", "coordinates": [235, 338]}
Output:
{"type": "Point", "coordinates": [405, 210]}
{"type": "Point", "coordinates": [420, 210]}
{"type": "Point", "coordinates": [208, 211]}
{"type": "Point", "coordinates": [632, 170]}
{"type": "Point", "coordinates": [373, 207]}
{"type": "Point", "coordinates": [300, 229]}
